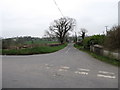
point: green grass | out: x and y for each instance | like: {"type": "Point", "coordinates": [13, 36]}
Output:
{"type": "Point", "coordinates": [101, 58]}
{"type": "Point", "coordinates": [34, 50]}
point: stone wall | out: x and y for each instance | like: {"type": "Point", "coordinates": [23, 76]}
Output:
{"type": "Point", "coordinates": [100, 51]}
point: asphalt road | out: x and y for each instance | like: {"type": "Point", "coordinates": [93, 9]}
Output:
{"type": "Point", "coordinates": [67, 68]}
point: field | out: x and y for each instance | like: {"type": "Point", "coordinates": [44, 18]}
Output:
{"type": "Point", "coordinates": [34, 50]}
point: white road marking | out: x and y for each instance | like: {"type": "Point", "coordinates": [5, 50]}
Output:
{"type": "Point", "coordinates": [67, 50]}
{"type": "Point", "coordinates": [78, 72]}
{"type": "Point", "coordinates": [81, 69]}
{"type": "Point", "coordinates": [104, 72]}
{"type": "Point", "coordinates": [46, 64]}
{"type": "Point", "coordinates": [64, 67]}
{"type": "Point", "coordinates": [47, 67]}
{"type": "Point", "coordinates": [105, 76]}
{"type": "Point", "coordinates": [62, 70]}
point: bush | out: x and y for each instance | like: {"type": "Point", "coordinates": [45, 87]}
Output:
{"type": "Point", "coordinates": [86, 42]}
{"type": "Point", "coordinates": [92, 40]}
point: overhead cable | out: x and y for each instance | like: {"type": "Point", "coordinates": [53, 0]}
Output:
{"type": "Point", "coordinates": [58, 8]}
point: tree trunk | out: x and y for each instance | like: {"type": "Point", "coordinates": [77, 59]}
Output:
{"type": "Point", "coordinates": [61, 39]}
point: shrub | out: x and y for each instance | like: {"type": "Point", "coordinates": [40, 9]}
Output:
{"type": "Point", "coordinates": [92, 40]}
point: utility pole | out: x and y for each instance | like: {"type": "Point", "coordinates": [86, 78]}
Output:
{"type": "Point", "coordinates": [106, 28]}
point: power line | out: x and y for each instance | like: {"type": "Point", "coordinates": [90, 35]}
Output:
{"type": "Point", "coordinates": [58, 8]}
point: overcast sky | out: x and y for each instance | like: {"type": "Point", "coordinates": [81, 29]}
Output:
{"type": "Point", "coordinates": [33, 17]}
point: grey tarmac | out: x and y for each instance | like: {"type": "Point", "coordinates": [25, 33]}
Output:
{"type": "Point", "coordinates": [67, 68]}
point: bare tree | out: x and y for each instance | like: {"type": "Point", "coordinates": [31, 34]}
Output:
{"type": "Point", "coordinates": [60, 28]}
{"type": "Point", "coordinates": [49, 34]}
{"type": "Point", "coordinates": [83, 32]}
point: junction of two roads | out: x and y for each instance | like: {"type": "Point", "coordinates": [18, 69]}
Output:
{"type": "Point", "coordinates": [67, 68]}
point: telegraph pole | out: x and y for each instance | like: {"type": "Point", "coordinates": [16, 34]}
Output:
{"type": "Point", "coordinates": [106, 28]}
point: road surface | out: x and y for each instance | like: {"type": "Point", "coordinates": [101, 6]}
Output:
{"type": "Point", "coordinates": [67, 68]}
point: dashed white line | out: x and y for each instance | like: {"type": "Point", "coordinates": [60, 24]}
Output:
{"type": "Point", "coordinates": [106, 76]}
{"type": "Point", "coordinates": [81, 69]}
{"type": "Point", "coordinates": [78, 72]}
{"type": "Point", "coordinates": [62, 70]}
{"type": "Point", "coordinates": [65, 67]}
{"type": "Point", "coordinates": [104, 72]}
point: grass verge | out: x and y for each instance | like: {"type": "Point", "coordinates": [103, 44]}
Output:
{"type": "Point", "coordinates": [101, 58]}
{"type": "Point", "coordinates": [34, 50]}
